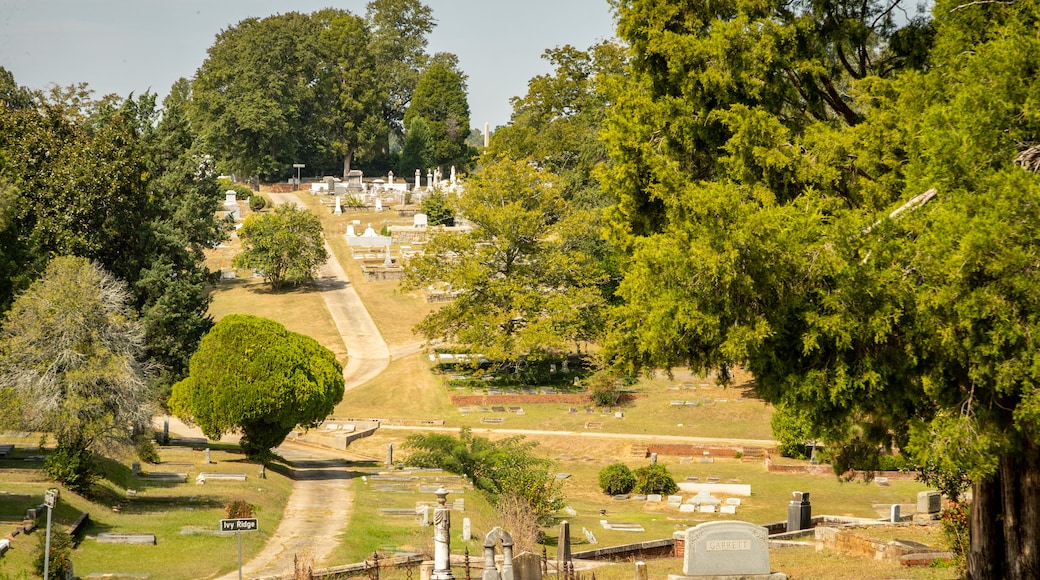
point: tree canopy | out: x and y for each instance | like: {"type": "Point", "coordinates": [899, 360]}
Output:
{"type": "Point", "coordinates": [253, 374]}
{"type": "Point", "coordinates": [287, 245]}
{"type": "Point", "coordinates": [118, 182]}
{"type": "Point", "coordinates": [525, 287]}
{"type": "Point", "coordinates": [322, 89]}
{"type": "Point", "coordinates": [71, 364]}
{"type": "Point", "coordinates": [440, 100]}
{"type": "Point", "coordinates": [769, 167]}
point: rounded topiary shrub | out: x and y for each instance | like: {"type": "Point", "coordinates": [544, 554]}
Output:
{"type": "Point", "coordinates": [616, 478]}
{"type": "Point", "coordinates": [257, 202]}
{"type": "Point", "coordinates": [654, 479]}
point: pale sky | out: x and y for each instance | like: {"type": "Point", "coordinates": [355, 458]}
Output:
{"type": "Point", "coordinates": [124, 46]}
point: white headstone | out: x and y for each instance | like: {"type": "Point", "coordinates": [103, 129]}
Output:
{"type": "Point", "coordinates": [369, 231]}
{"type": "Point", "coordinates": [379, 204]}
{"type": "Point", "coordinates": [429, 180]}
{"type": "Point", "coordinates": [350, 230]}
{"type": "Point", "coordinates": [453, 175]}
{"type": "Point", "coordinates": [419, 220]}
{"type": "Point", "coordinates": [339, 207]}
{"type": "Point", "coordinates": [728, 509]}
{"type": "Point", "coordinates": [418, 180]}
{"type": "Point", "coordinates": [390, 178]}
{"type": "Point", "coordinates": [467, 531]}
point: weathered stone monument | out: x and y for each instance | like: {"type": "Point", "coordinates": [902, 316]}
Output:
{"type": "Point", "coordinates": [929, 502]}
{"type": "Point", "coordinates": [493, 538]}
{"type": "Point", "coordinates": [389, 454]}
{"type": "Point", "coordinates": [799, 512]}
{"type": "Point", "coordinates": [563, 545]}
{"type": "Point", "coordinates": [467, 530]}
{"type": "Point", "coordinates": [442, 537]}
{"type": "Point", "coordinates": [729, 549]}
{"type": "Point", "coordinates": [527, 566]}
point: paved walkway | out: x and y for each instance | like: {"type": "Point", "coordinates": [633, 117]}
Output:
{"type": "Point", "coordinates": [367, 353]}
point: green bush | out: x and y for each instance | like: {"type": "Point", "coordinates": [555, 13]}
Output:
{"type": "Point", "coordinates": [73, 467]}
{"type": "Point", "coordinates": [60, 564]}
{"type": "Point", "coordinates": [616, 478]}
{"type": "Point", "coordinates": [257, 202]}
{"type": "Point", "coordinates": [239, 508]}
{"type": "Point", "coordinates": [654, 479]}
{"type": "Point", "coordinates": [604, 390]}
{"type": "Point", "coordinates": [146, 450]}
{"type": "Point", "coordinates": [956, 523]}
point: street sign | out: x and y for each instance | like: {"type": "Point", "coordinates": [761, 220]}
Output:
{"type": "Point", "coordinates": [298, 165]}
{"type": "Point", "coordinates": [239, 525]}
{"type": "Point", "coordinates": [50, 497]}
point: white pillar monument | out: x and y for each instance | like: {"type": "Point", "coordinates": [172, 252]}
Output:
{"type": "Point", "coordinates": [442, 537]}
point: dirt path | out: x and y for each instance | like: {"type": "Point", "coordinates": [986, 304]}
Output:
{"type": "Point", "coordinates": [322, 498]}
{"type": "Point", "coordinates": [316, 514]}
{"type": "Point", "coordinates": [367, 353]}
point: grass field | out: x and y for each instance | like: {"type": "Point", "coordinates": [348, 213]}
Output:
{"type": "Point", "coordinates": [182, 516]}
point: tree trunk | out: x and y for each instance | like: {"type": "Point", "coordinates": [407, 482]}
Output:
{"type": "Point", "coordinates": [1005, 540]}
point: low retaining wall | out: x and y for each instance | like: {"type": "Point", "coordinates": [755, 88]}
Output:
{"type": "Point", "coordinates": [690, 450]}
{"type": "Point", "coordinates": [649, 549]}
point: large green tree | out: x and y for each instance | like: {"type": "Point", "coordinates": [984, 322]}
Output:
{"type": "Point", "coordinates": [440, 100]}
{"type": "Point", "coordinates": [525, 287]}
{"type": "Point", "coordinates": [769, 167]}
{"type": "Point", "coordinates": [250, 373]}
{"type": "Point", "coordinates": [557, 123]}
{"type": "Point", "coordinates": [254, 96]}
{"type": "Point", "coordinates": [118, 182]}
{"type": "Point", "coordinates": [286, 245]}
{"type": "Point", "coordinates": [71, 364]}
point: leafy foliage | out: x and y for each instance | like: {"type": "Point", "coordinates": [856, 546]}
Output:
{"type": "Point", "coordinates": [437, 208]}
{"type": "Point", "coordinates": [654, 479]}
{"type": "Point", "coordinates": [257, 202]}
{"type": "Point", "coordinates": [767, 181]}
{"type": "Point", "coordinates": [71, 350]}
{"type": "Point", "coordinates": [418, 152]}
{"type": "Point", "coordinates": [72, 464]}
{"type": "Point", "coordinates": [526, 289]}
{"type": "Point", "coordinates": [286, 245]}
{"type": "Point", "coordinates": [113, 182]}
{"type": "Point", "coordinates": [440, 100]}
{"type": "Point", "coordinates": [239, 508]}
{"type": "Point", "coordinates": [60, 563]}
{"type": "Point", "coordinates": [616, 478]}
{"type": "Point", "coordinates": [321, 88]}
{"type": "Point", "coordinates": [506, 468]}
{"type": "Point", "coordinates": [253, 374]}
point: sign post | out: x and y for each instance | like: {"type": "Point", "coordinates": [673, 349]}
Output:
{"type": "Point", "coordinates": [50, 498]}
{"type": "Point", "coordinates": [238, 526]}
{"type": "Point", "coordinates": [298, 167]}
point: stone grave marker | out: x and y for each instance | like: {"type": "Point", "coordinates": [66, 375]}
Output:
{"type": "Point", "coordinates": [563, 545]}
{"type": "Point", "coordinates": [929, 502]}
{"type": "Point", "coordinates": [893, 514]}
{"type": "Point", "coordinates": [589, 536]}
{"type": "Point", "coordinates": [527, 566]}
{"type": "Point", "coordinates": [726, 548]}
{"type": "Point", "coordinates": [799, 512]}
{"type": "Point", "coordinates": [467, 530]}
{"type": "Point", "coordinates": [728, 509]}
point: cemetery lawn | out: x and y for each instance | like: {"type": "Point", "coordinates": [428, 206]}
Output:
{"type": "Point", "coordinates": [182, 516]}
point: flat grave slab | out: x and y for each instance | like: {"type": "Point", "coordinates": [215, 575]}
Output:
{"type": "Point", "coordinates": [139, 539]}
